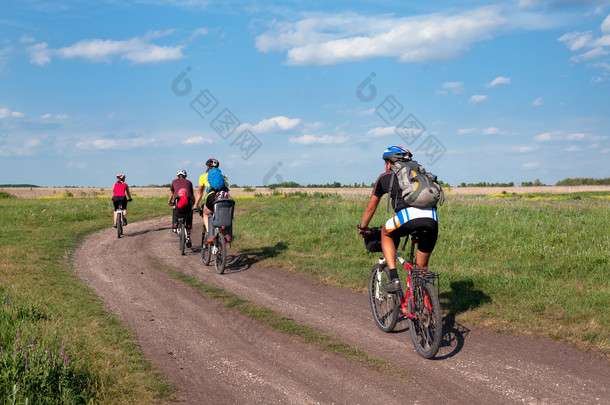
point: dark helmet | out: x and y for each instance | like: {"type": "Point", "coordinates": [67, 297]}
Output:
{"type": "Point", "coordinates": [211, 163]}
{"type": "Point", "coordinates": [394, 153]}
{"type": "Point", "coordinates": [121, 177]}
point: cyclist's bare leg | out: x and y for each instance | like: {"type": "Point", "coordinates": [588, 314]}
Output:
{"type": "Point", "coordinates": [388, 247]}
{"type": "Point", "coordinates": [422, 259]}
{"type": "Point", "coordinates": [206, 212]}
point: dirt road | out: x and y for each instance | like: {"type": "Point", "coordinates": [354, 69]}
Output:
{"type": "Point", "coordinates": [218, 356]}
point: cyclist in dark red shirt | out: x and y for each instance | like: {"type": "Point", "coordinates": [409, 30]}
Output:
{"type": "Point", "coordinates": [181, 197]}
{"type": "Point", "coordinates": [120, 194]}
{"type": "Point", "coordinates": [403, 223]}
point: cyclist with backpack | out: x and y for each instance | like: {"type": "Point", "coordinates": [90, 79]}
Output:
{"type": "Point", "coordinates": [181, 197]}
{"type": "Point", "coordinates": [210, 183]}
{"type": "Point", "coordinates": [414, 194]}
{"type": "Point", "coordinates": [120, 194]}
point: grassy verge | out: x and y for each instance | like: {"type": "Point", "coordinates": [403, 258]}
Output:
{"type": "Point", "coordinates": [58, 343]}
{"type": "Point", "coordinates": [533, 263]}
{"type": "Point", "coordinates": [281, 323]}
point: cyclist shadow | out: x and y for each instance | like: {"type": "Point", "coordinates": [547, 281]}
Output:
{"type": "Point", "coordinates": [461, 297]}
{"type": "Point", "coordinates": [248, 257]}
{"type": "Point", "coordinates": [144, 231]}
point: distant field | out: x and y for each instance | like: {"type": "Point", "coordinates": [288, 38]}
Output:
{"type": "Point", "coordinates": [39, 192]}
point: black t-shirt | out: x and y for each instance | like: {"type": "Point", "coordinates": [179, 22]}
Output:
{"type": "Point", "coordinates": [382, 186]}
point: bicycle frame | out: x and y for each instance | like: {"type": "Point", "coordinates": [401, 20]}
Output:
{"type": "Point", "coordinates": [412, 270]}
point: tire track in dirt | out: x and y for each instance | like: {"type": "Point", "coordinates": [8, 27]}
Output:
{"type": "Point", "coordinates": [219, 356]}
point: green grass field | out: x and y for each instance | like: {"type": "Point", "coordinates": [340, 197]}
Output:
{"type": "Point", "coordinates": [533, 264]}
{"type": "Point", "coordinates": [59, 345]}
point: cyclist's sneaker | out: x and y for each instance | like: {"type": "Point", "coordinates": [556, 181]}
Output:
{"type": "Point", "coordinates": [210, 241]}
{"type": "Point", "coordinates": [174, 230]}
{"type": "Point", "coordinates": [393, 286]}
{"type": "Point", "coordinates": [114, 225]}
{"type": "Point", "coordinates": [188, 242]}
{"type": "Point", "coordinates": [124, 221]}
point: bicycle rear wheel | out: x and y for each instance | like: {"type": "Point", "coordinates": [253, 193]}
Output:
{"type": "Point", "coordinates": [385, 306]}
{"type": "Point", "coordinates": [119, 225]}
{"type": "Point", "coordinates": [206, 249]}
{"type": "Point", "coordinates": [427, 330]}
{"type": "Point", "coordinates": [221, 253]}
{"type": "Point", "coordinates": [182, 236]}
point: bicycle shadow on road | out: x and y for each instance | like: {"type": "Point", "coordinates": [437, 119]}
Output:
{"type": "Point", "coordinates": [143, 232]}
{"type": "Point", "coordinates": [248, 257]}
{"type": "Point", "coordinates": [461, 297]}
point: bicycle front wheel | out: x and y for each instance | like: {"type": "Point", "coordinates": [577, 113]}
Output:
{"type": "Point", "coordinates": [182, 231]}
{"type": "Point", "coordinates": [206, 249]}
{"type": "Point", "coordinates": [221, 253]}
{"type": "Point", "coordinates": [119, 225]}
{"type": "Point", "coordinates": [427, 330]}
{"type": "Point", "coordinates": [385, 306]}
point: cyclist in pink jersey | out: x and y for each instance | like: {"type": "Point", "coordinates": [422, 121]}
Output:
{"type": "Point", "coordinates": [120, 195]}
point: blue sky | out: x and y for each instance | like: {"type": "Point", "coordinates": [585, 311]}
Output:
{"type": "Point", "coordinates": [311, 92]}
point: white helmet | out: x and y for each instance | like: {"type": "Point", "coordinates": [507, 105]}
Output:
{"type": "Point", "coordinates": [181, 173]}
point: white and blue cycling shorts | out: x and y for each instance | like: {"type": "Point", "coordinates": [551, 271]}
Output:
{"type": "Point", "coordinates": [408, 214]}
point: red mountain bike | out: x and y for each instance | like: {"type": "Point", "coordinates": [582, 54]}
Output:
{"type": "Point", "coordinates": [419, 302]}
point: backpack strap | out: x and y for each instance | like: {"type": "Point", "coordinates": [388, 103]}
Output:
{"type": "Point", "coordinates": [390, 190]}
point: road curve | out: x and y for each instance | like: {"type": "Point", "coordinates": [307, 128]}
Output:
{"type": "Point", "coordinates": [215, 355]}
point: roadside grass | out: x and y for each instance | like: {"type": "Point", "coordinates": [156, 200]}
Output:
{"type": "Point", "coordinates": [49, 316]}
{"type": "Point", "coordinates": [284, 324]}
{"type": "Point", "coordinates": [536, 264]}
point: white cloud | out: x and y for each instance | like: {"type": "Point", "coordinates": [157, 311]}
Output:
{"type": "Point", "coordinates": [478, 99]}
{"type": "Point", "coordinates": [323, 139]}
{"type": "Point", "coordinates": [26, 39]}
{"type": "Point", "coordinates": [368, 112]}
{"type": "Point", "coordinates": [525, 149]}
{"type": "Point", "coordinates": [276, 124]}
{"type": "Point", "coordinates": [200, 32]}
{"type": "Point", "coordinates": [491, 131]}
{"type": "Point", "coordinates": [137, 50]}
{"type": "Point", "coordinates": [591, 45]}
{"type": "Point", "coordinates": [538, 102]}
{"type": "Point", "coordinates": [57, 117]}
{"type": "Point", "coordinates": [530, 165]}
{"type": "Point", "coordinates": [348, 37]}
{"type": "Point", "coordinates": [113, 144]}
{"type": "Point", "coordinates": [466, 131]}
{"type": "Point", "coordinates": [545, 137]}
{"type": "Point", "coordinates": [381, 131]}
{"type": "Point", "coordinates": [575, 137]}
{"type": "Point", "coordinates": [577, 40]}
{"type": "Point", "coordinates": [593, 53]}
{"type": "Point", "coordinates": [453, 87]}
{"type": "Point", "coordinates": [6, 113]}
{"type": "Point", "coordinates": [197, 140]}
{"type": "Point", "coordinates": [32, 143]}
{"type": "Point", "coordinates": [606, 25]}
{"type": "Point", "coordinates": [602, 65]}
{"type": "Point", "coordinates": [573, 148]}
{"type": "Point", "coordinates": [498, 81]}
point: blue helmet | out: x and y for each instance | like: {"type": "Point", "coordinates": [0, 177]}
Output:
{"type": "Point", "coordinates": [394, 153]}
